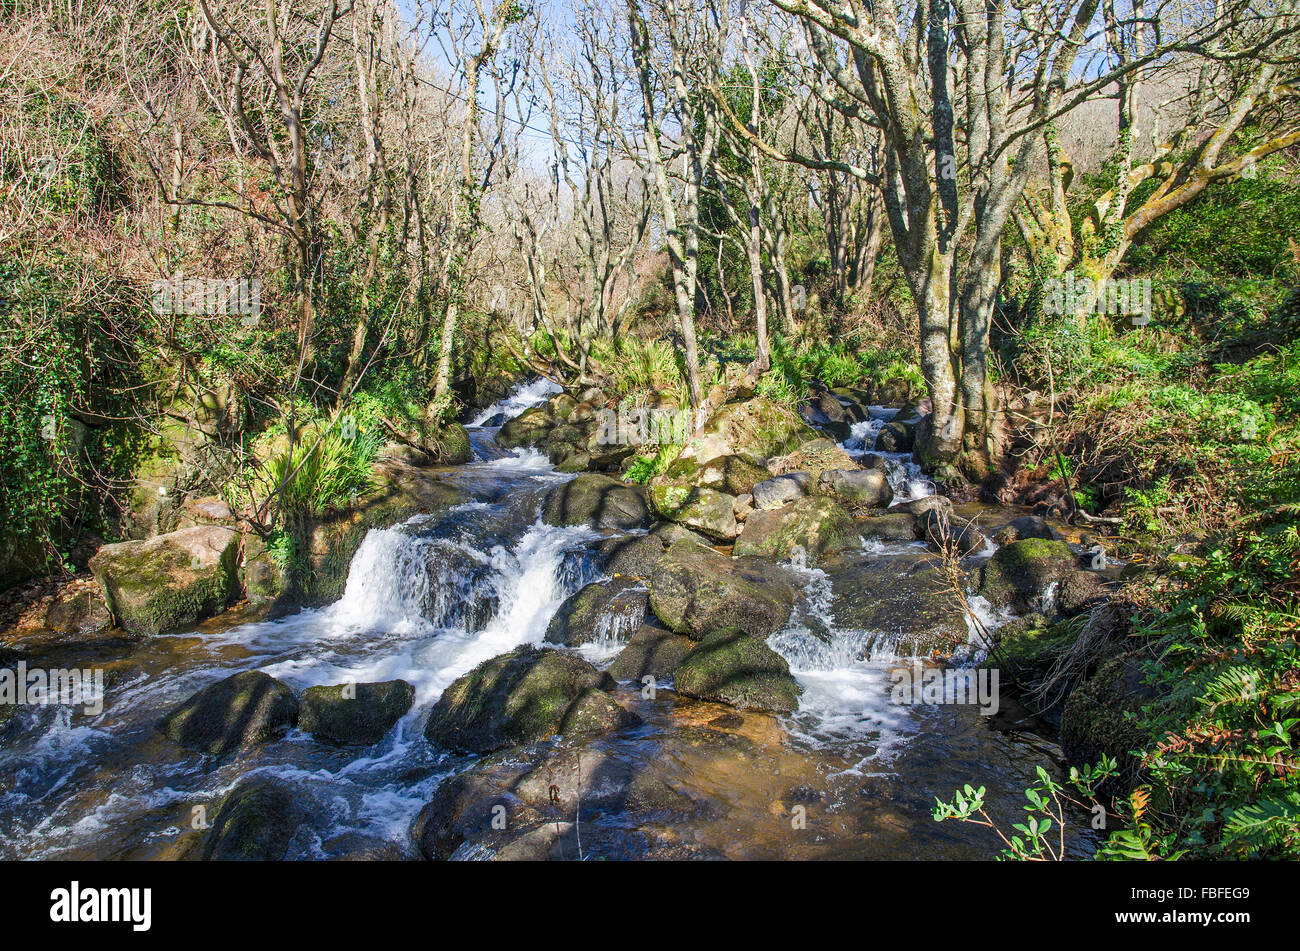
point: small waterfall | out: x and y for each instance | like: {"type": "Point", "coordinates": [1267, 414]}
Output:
{"type": "Point", "coordinates": [904, 475]}
{"type": "Point", "coordinates": [524, 396]}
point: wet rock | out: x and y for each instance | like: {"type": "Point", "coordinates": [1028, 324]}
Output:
{"type": "Point", "coordinates": [739, 670]}
{"type": "Point", "coordinates": [602, 610]}
{"type": "Point", "coordinates": [1017, 574]}
{"type": "Point", "coordinates": [522, 696]}
{"type": "Point", "coordinates": [869, 487]}
{"type": "Point", "coordinates": [80, 611]}
{"type": "Point", "coordinates": [635, 555]}
{"type": "Point", "coordinates": [236, 713]}
{"type": "Point", "coordinates": [354, 714]}
{"type": "Point", "coordinates": [919, 507]}
{"type": "Point", "coordinates": [699, 592]}
{"type": "Point", "coordinates": [950, 532]}
{"type": "Point", "coordinates": [892, 526]}
{"type": "Point", "coordinates": [526, 806]}
{"type": "Point", "coordinates": [526, 429]}
{"type": "Point", "coordinates": [596, 501]}
{"type": "Point", "coordinates": [1026, 526]}
{"type": "Point", "coordinates": [896, 436]}
{"type": "Point", "coordinates": [757, 429]}
{"type": "Point", "coordinates": [707, 511]}
{"type": "Point", "coordinates": [653, 651]}
{"type": "Point", "coordinates": [905, 599]}
{"type": "Point", "coordinates": [815, 525]}
{"type": "Point", "coordinates": [170, 581]}
{"type": "Point", "coordinates": [781, 490]}
{"type": "Point", "coordinates": [255, 822]}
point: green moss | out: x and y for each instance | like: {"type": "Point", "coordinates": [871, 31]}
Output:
{"type": "Point", "coordinates": [738, 670]}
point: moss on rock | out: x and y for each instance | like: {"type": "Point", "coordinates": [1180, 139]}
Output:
{"type": "Point", "coordinates": [170, 581]}
{"type": "Point", "coordinates": [236, 713]}
{"type": "Point", "coordinates": [815, 524]}
{"type": "Point", "coordinates": [738, 670]}
{"type": "Point", "coordinates": [1018, 573]}
{"type": "Point", "coordinates": [596, 501]}
{"type": "Point", "coordinates": [255, 822]}
{"type": "Point", "coordinates": [519, 697]}
{"type": "Point", "coordinates": [354, 714]}
{"type": "Point", "coordinates": [697, 591]}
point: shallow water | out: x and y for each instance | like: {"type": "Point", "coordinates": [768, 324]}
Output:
{"type": "Point", "coordinates": [428, 600]}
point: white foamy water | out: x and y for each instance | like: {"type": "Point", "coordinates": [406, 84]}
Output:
{"type": "Point", "coordinates": [904, 474]}
{"type": "Point", "coordinates": [524, 396]}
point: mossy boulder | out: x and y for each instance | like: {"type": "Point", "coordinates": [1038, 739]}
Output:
{"type": "Point", "coordinates": [1029, 647]}
{"type": "Point", "coordinates": [739, 670]}
{"type": "Point", "coordinates": [170, 581]}
{"type": "Point", "coordinates": [239, 712]}
{"type": "Point", "coordinates": [756, 429]}
{"type": "Point", "coordinates": [1080, 591]}
{"type": "Point", "coordinates": [1097, 716]}
{"type": "Point", "coordinates": [635, 555]}
{"type": "Point", "coordinates": [1017, 574]}
{"type": "Point", "coordinates": [596, 501]}
{"type": "Point", "coordinates": [700, 592]}
{"type": "Point", "coordinates": [653, 651]}
{"type": "Point", "coordinates": [707, 511]}
{"type": "Point", "coordinates": [522, 696]}
{"type": "Point", "coordinates": [905, 599]}
{"type": "Point", "coordinates": [526, 429]}
{"type": "Point", "coordinates": [816, 524]}
{"type": "Point", "coordinates": [255, 822]}
{"type": "Point", "coordinates": [453, 441]}
{"type": "Point", "coordinates": [603, 610]}
{"type": "Point", "coordinates": [354, 714]}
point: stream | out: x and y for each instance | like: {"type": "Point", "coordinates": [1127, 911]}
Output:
{"type": "Point", "coordinates": [428, 600]}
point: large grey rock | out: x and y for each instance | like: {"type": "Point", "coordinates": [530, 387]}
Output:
{"type": "Point", "coordinates": [816, 524]}
{"type": "Point", "coordinates": [869, 487]}
{"type": "Point", "coordinates": [707, 511]}
{"type": "Point", "coordinates": [170, 581]}
{"type": "Point", "coordinates": [906, 600]}
{"type": "Point", "coordinates": [781, 490]}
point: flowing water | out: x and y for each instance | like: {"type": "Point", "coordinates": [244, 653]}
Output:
{"type": "Point", "coordinates": [428, 600]}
